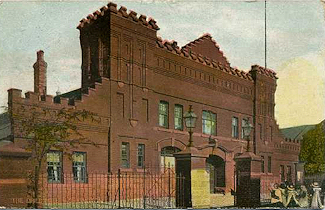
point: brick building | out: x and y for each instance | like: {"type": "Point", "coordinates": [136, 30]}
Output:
{"type": "Point", "coordinates": [140, 86]}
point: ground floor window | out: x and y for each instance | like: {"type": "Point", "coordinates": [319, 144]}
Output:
{"type": "Point", "coordinates": [79, 166]}
{"type": "Point", "coordinates": [289, 174]}
{"type": "Point", "coordinates": [166, 156]}
{"type": "Point", "coordinates": [282, 173]}
{"type": "Point", "coordinates": [54, 166]}
{"type": "Point", "coordinates": [125, 155]}
{"type": "Point", "coordinates": [141, 155]}
{"type": "Point", "coordinates": [216, 169]}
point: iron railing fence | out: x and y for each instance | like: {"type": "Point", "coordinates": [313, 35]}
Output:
{"type": "Point", "coordinates": [142, 189]}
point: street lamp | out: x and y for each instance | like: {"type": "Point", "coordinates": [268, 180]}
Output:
{"type": "Point", "coordinates": [190, 120]}
{"type": "Point", "coordinates": [247, 128]}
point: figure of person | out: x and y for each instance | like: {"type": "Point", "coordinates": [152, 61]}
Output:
{"type": "Point", "coordinates": [303, 197]}
{"type": "Point", "coordinates": [316, 202]}
{"type": "Point", "coordinates": [283, 190]}
{"type": "Point", "coordinates": [292, 196]}
{"type": "Point", "coordinates": [276, 196]}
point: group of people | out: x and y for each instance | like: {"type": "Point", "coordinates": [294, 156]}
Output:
{"type": "Point", "coordinates": [288, 195]}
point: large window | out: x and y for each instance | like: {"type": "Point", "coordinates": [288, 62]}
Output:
{"type": "Point", "coordinates": [178, 117]}
{"type": "Point", "coordinates": [163, 114]}
{"type": "Point", "coordinates": [79, 166]}
{"type": "Point", "coordinates": [234, 127]}
{"type": "Point", "coordinates": [125, 155]}
{"type": "Point", "coordinates": [209, 123]}
{"type": "Point", "coordinates": [261, 131]}
{"type": "Point", "coordinates": [141, 155]}
{"type": "Point", "coordinates": [54, 166]}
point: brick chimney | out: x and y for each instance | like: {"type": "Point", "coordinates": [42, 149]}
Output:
{"type": "Point", "coordinates": [40, 67]}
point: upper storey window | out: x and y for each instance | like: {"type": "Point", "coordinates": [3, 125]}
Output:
{"type": "Point", "coordinates": [234, 127]}
{"type": "Point", "coordinates": [178, 117]}
{"type": "Point", "coordinates": [163, 114]}
{"type": "Point", "coordinates": [209, 122]}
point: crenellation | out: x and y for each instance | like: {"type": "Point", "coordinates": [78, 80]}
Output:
{"type": "Point", "coordinates": [71, 101]}
{"type": "Point", "coordinates": [112, 7]}
{"type": "Point", "coordinates": [64, 101]}
{"type": "Point", "coordinates": [49, 98]}
{"type": "Point", "coordinates": [143, 20]}
{"type": "Point", "coordinates": [133, 16]}
{"type": "Point", "coordinates": [264, 71]}
{"type": "Point", "coordinates": [153, 24]}
{"type": "Point", "coordinates": [123, 11]}
{"type": "Point", "coordinates": [15, 93]}
{"type": "Point", "coordinates": [78, 102]}
{"type": "Point", "coordinates": [32, 96]}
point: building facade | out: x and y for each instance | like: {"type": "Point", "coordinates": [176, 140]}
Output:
{"type": "Point", "coordinates": [140, 86]}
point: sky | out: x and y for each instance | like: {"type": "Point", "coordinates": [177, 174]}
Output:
{"type": "Point", "coordinates": [295, 43]}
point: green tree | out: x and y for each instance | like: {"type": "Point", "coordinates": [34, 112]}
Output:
{"type": "Point", "coordinates": [45, 130]}
{"type": "Point", "coordinates": [313, 150]}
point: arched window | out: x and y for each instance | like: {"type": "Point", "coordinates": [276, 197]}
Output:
{"type": "Point", "coordinates": [216, 169]}
{"type": "Point", "coordinates": [166, 156]}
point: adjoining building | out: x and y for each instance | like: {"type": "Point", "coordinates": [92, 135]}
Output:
{"type": "Point", "coordinates": [140, 86]}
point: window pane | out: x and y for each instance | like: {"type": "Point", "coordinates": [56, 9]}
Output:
{"type": "Point", "coordinates": [213, 117]}
{"type": "Point", "coordinates": [125, 161]}
{"type": "Point", "coordinates": [141, 155]}
{"type": "Point", "coordinates": [243, 123]}
{"type": "Point", "coordinates": [234, 127]}
{"type": "Point", "coordinates": [209, 123]}
{"type": "Point", "coordinates": [79, 166]}
{"type": "Point", "coordinates": [163, 114]}
{"type": "Point", "coordinates": [162, 120]}
{"type": "Point", "coordinates": [213, 128]}
{"type": "Point", "coordinates": [54, 166]}
{"type": "Point", "coordinates": [163, 108]}
{"type": "Point", "coordinates": [205, 115]}
{"type": "Point", "coordinates": [178, 117]}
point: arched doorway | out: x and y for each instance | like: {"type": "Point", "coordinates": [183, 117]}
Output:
{"type": "Point", "coordinates": [216, 169]}
{"type": "Point", "coordinates": [166, 156]}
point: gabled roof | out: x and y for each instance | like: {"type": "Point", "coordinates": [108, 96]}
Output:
{"type": "Point", "coordinates": [296, 132]}
{"type": "Point", "coordinates": [207, 47]}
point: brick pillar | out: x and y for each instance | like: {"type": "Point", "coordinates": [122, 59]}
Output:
{"type": "Point", "coordinates": [248, 184]}
{"type": "Point", "coordinates": [40, 67]}
{"type": "Point", "coordinates": [195, 191]}
{"type": "Point", "coordinates": [229, 175]}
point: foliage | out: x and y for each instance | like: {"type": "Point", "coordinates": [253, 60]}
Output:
{"type": "Point", "coordinates": [49, 129]}
{"type": "Point", "coordinates": [313, 150]}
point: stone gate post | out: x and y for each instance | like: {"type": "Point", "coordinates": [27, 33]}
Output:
{"type": "Point", "coordinates": [248, 175]}
{"type": "Point", "coordinates": [191, 164]}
